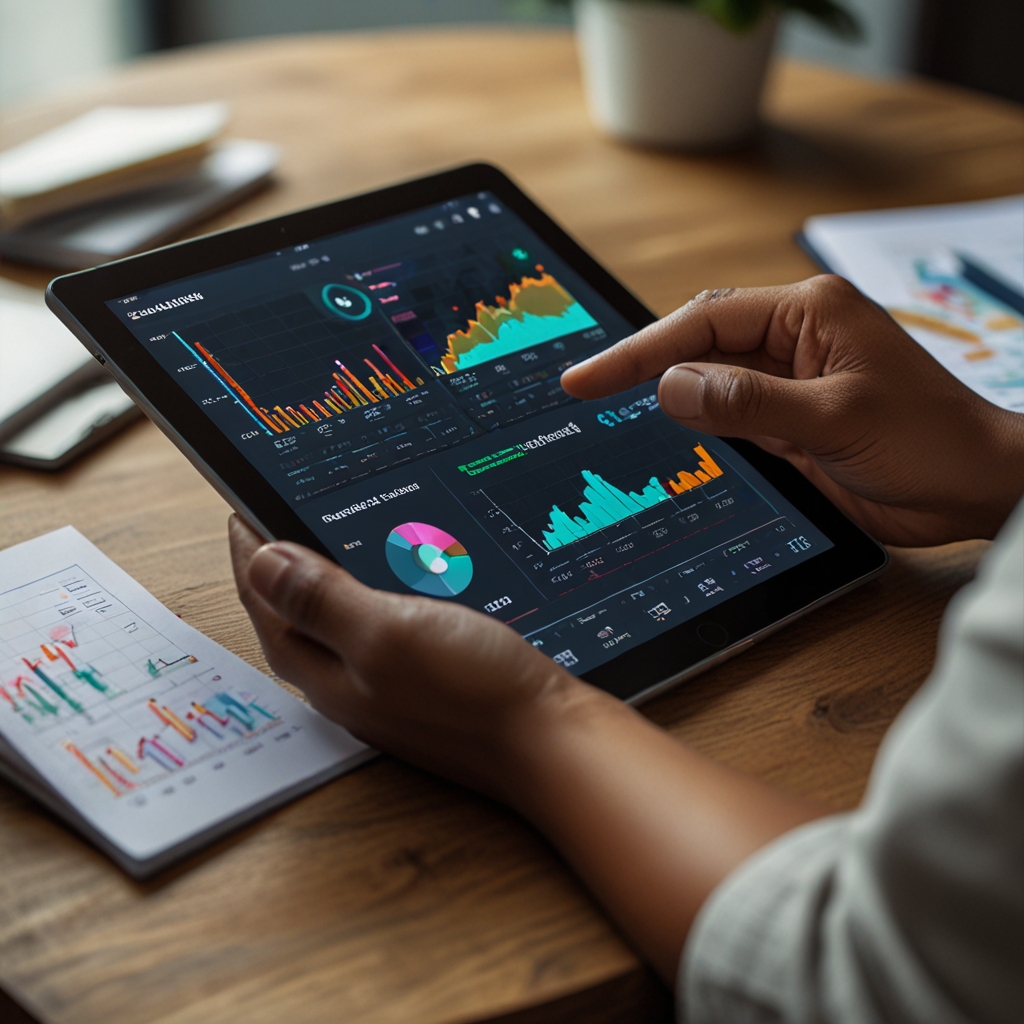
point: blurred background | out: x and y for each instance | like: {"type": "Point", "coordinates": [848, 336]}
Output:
{"type": "Point", "coordinates": [46, 44]}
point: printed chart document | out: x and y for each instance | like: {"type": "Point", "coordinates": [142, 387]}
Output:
{"type": "Point", "coordinates": [144, 734]}
{"type": "Point", "coordinates": [952, 276]}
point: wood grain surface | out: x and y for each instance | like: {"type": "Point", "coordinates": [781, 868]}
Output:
{"type": "Point", "coordinates": [389, 895]}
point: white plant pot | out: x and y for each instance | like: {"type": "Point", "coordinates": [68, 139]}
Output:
{"type": "Point", "coordinates": [663, 74]}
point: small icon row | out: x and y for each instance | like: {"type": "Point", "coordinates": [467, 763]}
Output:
{"type": "Point", "coordinates": [473, 212]}
{"type": "Point", "coordinates": [311, 262]}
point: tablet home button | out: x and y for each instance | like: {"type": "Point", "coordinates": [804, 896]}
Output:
{"type": "Point", "coordinates": [712, 633]}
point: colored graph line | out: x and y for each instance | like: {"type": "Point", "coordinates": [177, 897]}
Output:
{"type": "Point", "coordinates": [262, 711]}
{"type": "Point", "coordinates": [159, 754]}
{"type": "Point", "coordinates": [209, 728]}
{"type": "Point", "coordinates": [55, 687]}
{"type": "Point", "coordinates": [87, 675]}
{"type": "Point", "coordinates": [120, 778]}
{"type": "Point", "coordinates": [345, 393]}
{"type": "Point", "coordinates": [158, 667]}
{"type": "Point", "coordinates": [64, 634]}
{"type": "Point", "coordinates": [168, 717]}
{"type": "Point", "coordinates": [206, 711]}
{"type": "Point", "coordinates": [228, 390]}
{"type": "Point", "coordinates": [90, 767]}
{"type": "Point", "coordinates": [38, 701]}
{"type": "Point", "coordinates": [123, 758]}
{"type": "Point", "coordinates": [605, 504]}
{"type": "Point", "coordinates": [537, 310]}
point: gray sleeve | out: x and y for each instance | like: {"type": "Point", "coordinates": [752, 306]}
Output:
{"type": "Point", "coordinates": [911, 908]}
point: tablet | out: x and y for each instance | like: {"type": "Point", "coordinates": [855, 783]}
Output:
{"type": "Point", "coordinates": [378, 379]}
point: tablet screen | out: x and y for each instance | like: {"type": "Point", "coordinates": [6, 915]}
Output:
{"type": "Point", "coordinates": [398, 385]}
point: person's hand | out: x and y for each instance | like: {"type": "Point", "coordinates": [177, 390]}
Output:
{"type": "Point", "coordinates": [820, 375]}
{"type": "Point", "coordinates": [650, 825]}
{"type": "Point", "coordinates": [431, 681]}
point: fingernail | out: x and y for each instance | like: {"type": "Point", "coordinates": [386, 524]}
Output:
{"type": "Point", "coordinates": [679, 393]}
{"type": "Point", "coordinates": [266, 568]}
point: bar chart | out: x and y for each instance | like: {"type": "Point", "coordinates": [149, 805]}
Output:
{"type": "Point", "coordinates": [345, 391]}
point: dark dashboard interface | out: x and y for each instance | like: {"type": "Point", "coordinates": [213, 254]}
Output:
{"type": "Point", "coordinates": [398, 385]}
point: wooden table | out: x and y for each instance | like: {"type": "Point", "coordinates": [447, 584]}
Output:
{"type": "Point", "coordinates": [390, 896]}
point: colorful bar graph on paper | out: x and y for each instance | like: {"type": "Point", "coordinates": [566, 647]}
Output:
{"type": "Point", "coordinates": [605, 504]}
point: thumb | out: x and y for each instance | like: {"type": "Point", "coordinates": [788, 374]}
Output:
{"type": "Point", "coordinates": [313, 595]}
{"type": "Point", "coordinates": [734, 401]}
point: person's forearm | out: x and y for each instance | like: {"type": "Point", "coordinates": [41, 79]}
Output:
{"type": "Point", "coordinates": [649, 824]}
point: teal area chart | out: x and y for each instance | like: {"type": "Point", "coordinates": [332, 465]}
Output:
{"type": "Point", "coordinates": [605, 505]}
{"type": "Point", "coordinates": [428, 560]}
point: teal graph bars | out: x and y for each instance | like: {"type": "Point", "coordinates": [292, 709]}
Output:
{"type": "Point", "coordinates": [603, 506]}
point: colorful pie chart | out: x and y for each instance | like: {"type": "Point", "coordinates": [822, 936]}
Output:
{"type": "Point", "coordinates": [428, 559]}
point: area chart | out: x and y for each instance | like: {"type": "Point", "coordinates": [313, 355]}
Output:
{"type": "Point", "coordinates": [537, 310]}
{"type": "Point", "coordinates": [605, 504]}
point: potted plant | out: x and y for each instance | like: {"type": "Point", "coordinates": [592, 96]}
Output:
{"type": "Point", "coordinates": [684, 73]}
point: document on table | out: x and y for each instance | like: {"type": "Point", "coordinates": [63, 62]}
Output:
{"type": "Point", "coordinates": [141, 732]}
{"type": "Point", "coordinates": [953, 276]}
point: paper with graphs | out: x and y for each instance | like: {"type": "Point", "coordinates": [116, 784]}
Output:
{"type": "Point", "coordinates": [149, 731]}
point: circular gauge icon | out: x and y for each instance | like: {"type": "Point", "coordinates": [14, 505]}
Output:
{"type": "Point", "coordinates": [428, 559]}
{"type": "Point", "coordinates": [347, 302]}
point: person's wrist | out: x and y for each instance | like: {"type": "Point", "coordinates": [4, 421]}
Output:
{"type": "Point", "coordinates": [538, 739]}
{"type": "Point", "coordinates": [996, 481]}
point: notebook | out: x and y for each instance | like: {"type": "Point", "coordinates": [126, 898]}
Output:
{"type": "Point", "coordinates": [138, 731]}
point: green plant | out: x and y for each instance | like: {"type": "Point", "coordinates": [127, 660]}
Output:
{"type": "Point", "coordinates": [742, 15]}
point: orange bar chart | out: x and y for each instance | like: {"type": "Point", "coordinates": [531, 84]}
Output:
{"type": "Point", "coordinates": [709, 469]}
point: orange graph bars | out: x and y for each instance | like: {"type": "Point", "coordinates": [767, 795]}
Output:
{"type": "Point", "coordinates": [89, 766]}
{"type": "Point", "coordinates": [117, 775]}
{"type": "Point", "coordinates": [709, 469]}
{"type": "Point", "coordinates": [120, 755]}
{"type": "Point", "coordinates": [168, 717]}
{"type": "Point", "coordinates": [347, 392]}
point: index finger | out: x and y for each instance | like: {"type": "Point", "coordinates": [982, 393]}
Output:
{"type": "Point", "coordinates": [722, 325]}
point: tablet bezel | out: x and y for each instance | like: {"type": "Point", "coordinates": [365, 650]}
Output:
{"type": "Point", "coordinates": [80, 301]}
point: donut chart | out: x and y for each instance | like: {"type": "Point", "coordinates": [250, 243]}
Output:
{"type": "Point", "coordinates": [428, 560]}
{"type": "Point", "coordinates": [345, 301]}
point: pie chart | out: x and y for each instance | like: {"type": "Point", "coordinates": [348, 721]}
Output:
{"type": "Point", "coordinates": [345, 301]}
{"type": "Point", "coordinates": [428, 559]}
